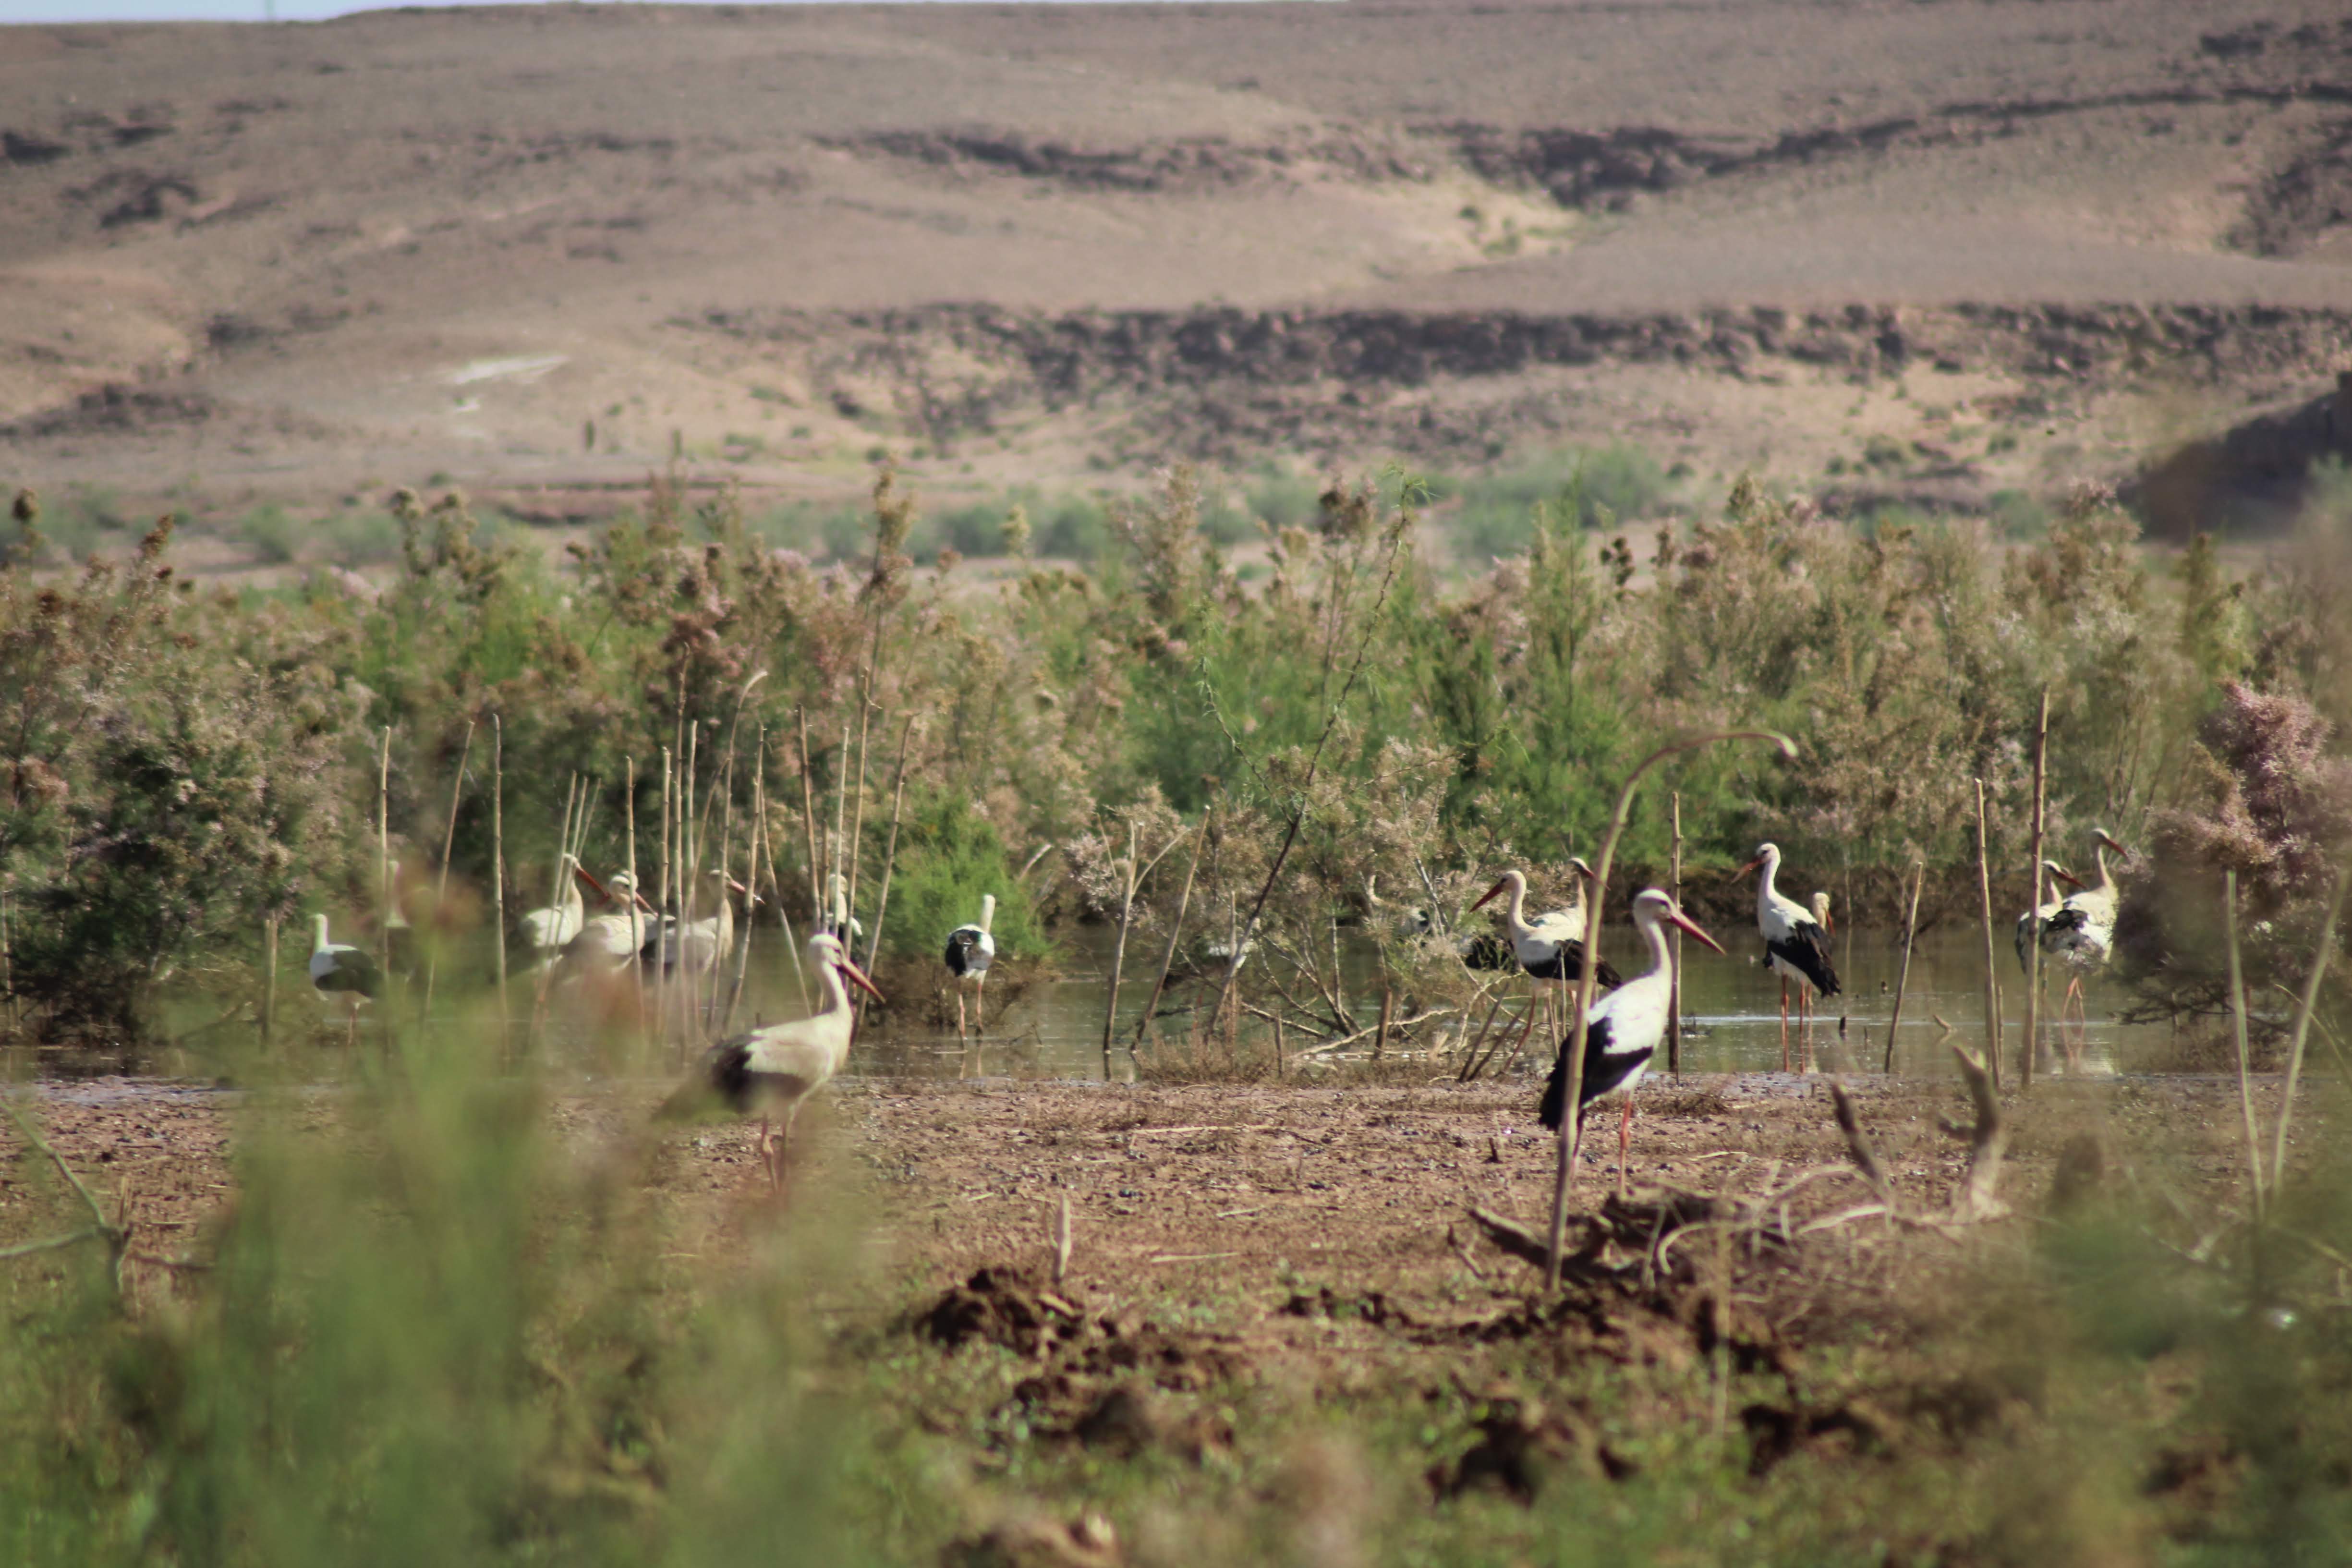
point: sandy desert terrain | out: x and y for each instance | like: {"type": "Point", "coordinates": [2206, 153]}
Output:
{"type": "Point", "coordinates": [540, 249]}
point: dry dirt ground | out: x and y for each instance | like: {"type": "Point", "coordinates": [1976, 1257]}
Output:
{"type": "Point", "coordinates": [1256, 1192]}
{"type": "Point", "coordinates": [539, 249]}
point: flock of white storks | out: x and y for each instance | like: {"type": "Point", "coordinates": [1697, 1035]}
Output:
{"type": "Point", "coordinates": [771, 1072]}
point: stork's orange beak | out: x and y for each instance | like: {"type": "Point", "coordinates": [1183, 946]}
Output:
{"type": "Point", "coordinates": [857, 976]}
{"type": "Point", "coordinates": [594, 886]}
{"type": "Point", "coordinates": [2068, 877]}
{"type": "Point", "coordinates": [1750, 866]}
{"type": "Point", "coordinates": [1690, 927]}
{"type": "Point", "coordinates": [1498, 888]}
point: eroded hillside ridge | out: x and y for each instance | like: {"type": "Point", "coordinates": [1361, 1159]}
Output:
{"type": "Point", "coordinates": [956, 369]}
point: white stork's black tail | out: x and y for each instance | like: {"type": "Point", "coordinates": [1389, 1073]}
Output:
{"type": "Point", "coordinates": [1807, 950]}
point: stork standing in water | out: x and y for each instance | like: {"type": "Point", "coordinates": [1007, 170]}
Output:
{"type": "Point", "coordinates": [1796, 944]}
{"type": "Point", "coordinates": [339, 969]}
{"type": "Point", "coordinates": [1625, 1029]}
{"type": "Point", "coordinates": [1549, 948]}
{"type": "Point", "coordinates": [971, 950]}
{"type": "Point", "coordinates": [2035, 924]}
{"type": "Point", "coordinates": [696, 945]}
{"type": "Point", "coordinates": [2083, 931]}
{"type": "Point", "coordinates": [771, 1072]}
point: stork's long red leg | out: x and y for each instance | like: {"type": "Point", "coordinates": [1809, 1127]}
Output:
{"type": "Point", "coordinates": [1784, 1023]}
{"type": "Point", "coordinates": [1624, 1143]}
{"type": "Point", "coordinates": [980, 1004]}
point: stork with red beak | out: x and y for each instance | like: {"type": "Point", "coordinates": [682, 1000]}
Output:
{"type": "Point", "coordinates": [1549, 948]}
{"type": "Point", "coordinates": [771, 1072]}
{"type": "Point", "coordinates": [1622, 1034]}
{"type": "Point", "coordinates": [1796, 947]}
{"type": "Point", "coordinates": [2083, 931]}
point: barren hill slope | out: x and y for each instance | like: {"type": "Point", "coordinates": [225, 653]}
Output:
{"type": "Point", "coordinates": [2019, 241]}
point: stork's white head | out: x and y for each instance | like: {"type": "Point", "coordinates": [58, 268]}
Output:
{"type": "Point", "coordinates": [824, 949]}
{"type": "Point", "coordinates": [1514, 880]}
{"type": "Point", "coordinates": [1576, 864]}
{"type": "Point", "coordinates": [1767, 856]}
{"type": "Point", "coordinates": [1652, 906]}
{"type": "Point", "coordinates": [2101, 836]}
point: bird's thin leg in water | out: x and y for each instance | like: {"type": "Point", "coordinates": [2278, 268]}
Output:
{"type": "Point", "coordinates": [1784, 1023]}
{"type": "Point", "coordinates": [980, 1004]}
{"type": "Point", "coordinates": [959, 1024]}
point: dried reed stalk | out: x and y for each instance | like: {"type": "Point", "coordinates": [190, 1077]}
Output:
{"type": "Point", "coordinates": [498, 863]}
{"type": "Point", "coordinates": [2319, 958]}
{"type": "Point", "coordinates": [2034, 948]}
{"type": "Point", "coordinates": [2238, 1030]}
{"type": "Point", "coordinates": [1175, 933]}
{"type": "Point", "coordinates": [1674, 940]}
{"type": "Point", "coordinates": [1992, 974]}
{"type": "Point", "coordinates": [1571, 1124]}
{"type": "Point", "coordinates": [441, 887]}
{"type": "Point", "coordinates": [1903, 975]}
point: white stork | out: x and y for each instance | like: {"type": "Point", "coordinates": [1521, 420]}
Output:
{"type": "Point", "coordinates": [606, 943]}
{"type": "Point", "coordinates": [696, 945]}
{"type": "Point", "coordinates": [1549, 948]}
{"type": "Point", "coordinates": [1623, 1032]}
{"type": "Point", "coordinates": [844, 922]}
{"type": "Point", "coordinates": [339, 969]}
{"type": "Point", "coordinates": [547, 929]}
{"type": "Point", "coordinates": [1796, 946]}
{"type": "Point", "coordinates": [771, 1072]}
{"type": "Point", "coordinates": [971, 950]}
{"type": "Point", "coordinates": [2083, 931]}
{"type": "Point", "coordinates": [2035, 924]}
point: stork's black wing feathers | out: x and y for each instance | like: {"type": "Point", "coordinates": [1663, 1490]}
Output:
{"type": "Point", "coordinates": [1807, 951]}
{"type": "Point", "coordinates": [356, 970]}
{"type": "Point", "coordinates": [2068, 918]}
{"type": "Point", "coordinates": [1566, 963]}
{"type": "Point", "coordinates": [1603, 1070]}
{"type": "Point", "coordinates": [728, 1066]}
{"type": "Point", "coordinates": [961, 943]}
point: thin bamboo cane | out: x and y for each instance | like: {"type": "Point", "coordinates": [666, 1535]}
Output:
{"type": "Point", "coordinates": [1992, 973]}
{"type": "Point", "coordinates": [755, 828]}
{"type": "Point", "coordinates": [839, 843]}
{"type": "Point", "coordinates": [498, 863]}
{"type": "Point", "coordinates": [1571, 1124]}
{"type": "Point", "coordinates": [776, 887]}
{"type": "Point", "coordinates": [857, 815]}
{"type": "Point", "coordinates": [1674, 941]}
{"type": "Point", "coordinates": [2319, 958]}
{"type": "Point", "coordinates": [808, 825]}
{"type": "Point", "coordinates": [2238, 1030]}
{"type": "Point", "coordinates": [448, 846]}
{"type": "Point", "coordinates": [2033, 919]}
{"type": "Point", "coordinates": [1903, 975]}
{"type": "Point", "coordinates": [268, 980]}
{"type": "Point", "coordinates": [1175, 933]}
{"type": "Point", "coordinates": [889, 854]}
{"type": "Point", "coordinates": [637, 940]}
{"type": "Point", "coordinates": [1118, 954]}
{"type": "Point", "coordinates": [384, 854]}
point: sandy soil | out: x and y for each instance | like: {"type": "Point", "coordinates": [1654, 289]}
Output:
{"type": "Point", "coordinates": [1239, 1193]}
{"type": "Point", "coordinates": [533, 246]}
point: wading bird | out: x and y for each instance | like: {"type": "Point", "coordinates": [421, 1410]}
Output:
{"type": "Point", "coordinates": [771, 1072]}
{"type": "Point", "coordinates": [696, 945]}
{"type": "Point", "coordinates": [1796, 947]}
{"type": "Point", "coordinates": [971, 950]}
{"type": "Point", "coordinates": [2036, 923]}
{"type": "Point", "coordinates": [546, 930]}
{"type": "Point", "coordinates": [843, 924]}
{"type": "Point", "coordinates": [607, 941]}
{"type": "Point", "coordinates": [1625, 1029]}
{"type": "Point", "coordinates": [339, 969]}
{"type": "Point", "coordinates": [2083, 931]}
{"type": "Point", "coordinates": [1549, 948]}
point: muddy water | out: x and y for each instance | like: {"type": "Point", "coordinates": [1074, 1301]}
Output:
{"type": "Point", "coordinates": [1730, 1007]}
{"type": "Point", "coordinates": [1052, 1025]}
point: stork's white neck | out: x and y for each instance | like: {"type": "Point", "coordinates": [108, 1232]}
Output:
{"type": "Point", "coordinates": [319, 933]}
{"type": "Point", "coordinates": [1515, 913]}
{"type": "Point", "coordinates": [1662, 951]}
{"type": "Point", "coordinates": [987, 911]}
{"type": "Point", "coordinates": [1766, 894]}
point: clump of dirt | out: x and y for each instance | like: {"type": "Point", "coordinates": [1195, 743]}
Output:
{"type": "Point", "coordinates": [1086, 1542]}
{"type": "Point", "coordinates": [1523, 1444]}
{"type": "Point", "coordinates": [2304, 197]}
{"type": "Point", "coordinates": [1004, 1307]}
{"type": "Point", "coordinates": [1775, 1433]}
